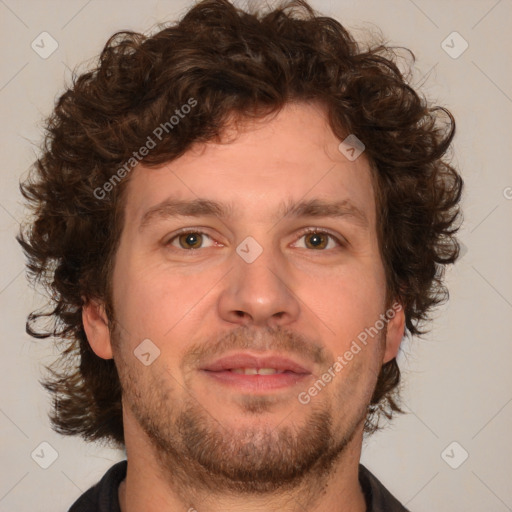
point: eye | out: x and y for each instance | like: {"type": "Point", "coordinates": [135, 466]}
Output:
{"type": "Point", "coordinates": [194, 239]}
{"type": "Point", "coordinates": [188, 240]}
{"type": "Point", "coordinates": [318, 239]}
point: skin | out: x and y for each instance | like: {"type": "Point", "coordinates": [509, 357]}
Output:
{"type": "Point", "coordinates": [189, 438]}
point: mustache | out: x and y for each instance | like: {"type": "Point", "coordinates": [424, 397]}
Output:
{"type": "Point", "coordinates": [257, 340]}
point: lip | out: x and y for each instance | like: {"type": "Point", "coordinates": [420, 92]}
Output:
{"type": "Point", "coordinates": [248, 360]}
{"type": "Point", "coordinates": [219, 371]}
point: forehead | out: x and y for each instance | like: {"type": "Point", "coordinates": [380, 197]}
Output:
{"type": "Point", "coordinates": [259, 171]}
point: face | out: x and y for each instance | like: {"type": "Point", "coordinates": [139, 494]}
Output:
{"type": "Point", "coordinates": [259, 253]}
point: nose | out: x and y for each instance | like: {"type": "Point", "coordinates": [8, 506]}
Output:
{"type": "Point", "coordinates": [258, 293]}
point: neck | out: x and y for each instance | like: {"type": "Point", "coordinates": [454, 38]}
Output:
{"type": "Point", "coordinates": [149, 486]}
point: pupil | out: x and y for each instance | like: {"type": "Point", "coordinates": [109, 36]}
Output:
{"type": "Point", "coordinates": [191, 239]}
{"type": "Point", "coordinates": [315, 240]}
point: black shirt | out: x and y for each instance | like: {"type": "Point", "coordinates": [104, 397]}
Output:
{"type": "Point", "coordinates": [103, 497]}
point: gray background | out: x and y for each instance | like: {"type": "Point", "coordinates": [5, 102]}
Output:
{"type": "Point", "coordinates": [457, 381]}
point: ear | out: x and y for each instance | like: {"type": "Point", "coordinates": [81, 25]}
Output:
{"type": "Point", "coordinates": [96, 328]}
{"type": "Point", "coordinates": [395, 330]}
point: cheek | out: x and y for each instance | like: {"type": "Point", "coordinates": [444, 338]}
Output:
{"type": "Point", "coordinates": [152, 300]}
{"type": "Point", "coordinates": [346, 302]}
{"type": "Point", "coordinates": [137, 298]}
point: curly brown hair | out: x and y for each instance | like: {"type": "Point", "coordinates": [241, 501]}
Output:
{"type": "Point", "coordinates": [231, 62]}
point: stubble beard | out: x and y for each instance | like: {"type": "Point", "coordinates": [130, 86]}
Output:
{"type": "Point", "coordinates": [197, 453]}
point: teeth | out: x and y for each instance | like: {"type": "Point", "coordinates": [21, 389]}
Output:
{"type": "Point", "coordinates": [268, 371]}
{"type": "Point", "coordinates": [256, 371]}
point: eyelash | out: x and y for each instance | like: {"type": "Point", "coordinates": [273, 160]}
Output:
{"type": "Point", "coordinates": [303, 233]}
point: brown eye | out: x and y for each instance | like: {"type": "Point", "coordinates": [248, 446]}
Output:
{"type": "Point", "coordinates": [187, 240]}
{"type": "Point", "coordinates": [319, 240]}
{"type": "Point", "coordinates": [316, 240]}
{"type": "Point", "coordinates": [190, 240]}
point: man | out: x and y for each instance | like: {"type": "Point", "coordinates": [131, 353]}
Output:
{"type": "Point", "coordinates": [239, 218]}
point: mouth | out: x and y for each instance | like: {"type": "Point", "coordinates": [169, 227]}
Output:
{"type": "Point", "coordinates": [253, 373]}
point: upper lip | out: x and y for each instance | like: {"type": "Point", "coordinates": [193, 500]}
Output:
{"type": "Point", "coordinates": [246, 360]}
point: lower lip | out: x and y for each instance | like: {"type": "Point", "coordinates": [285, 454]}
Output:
{"type": "Point", "coordinates": [257, 382]}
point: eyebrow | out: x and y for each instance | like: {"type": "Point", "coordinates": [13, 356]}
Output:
{"type": "Point", "coordinates": [321, 208]}
{"type": "Point", "coordinates": [315, 208]}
